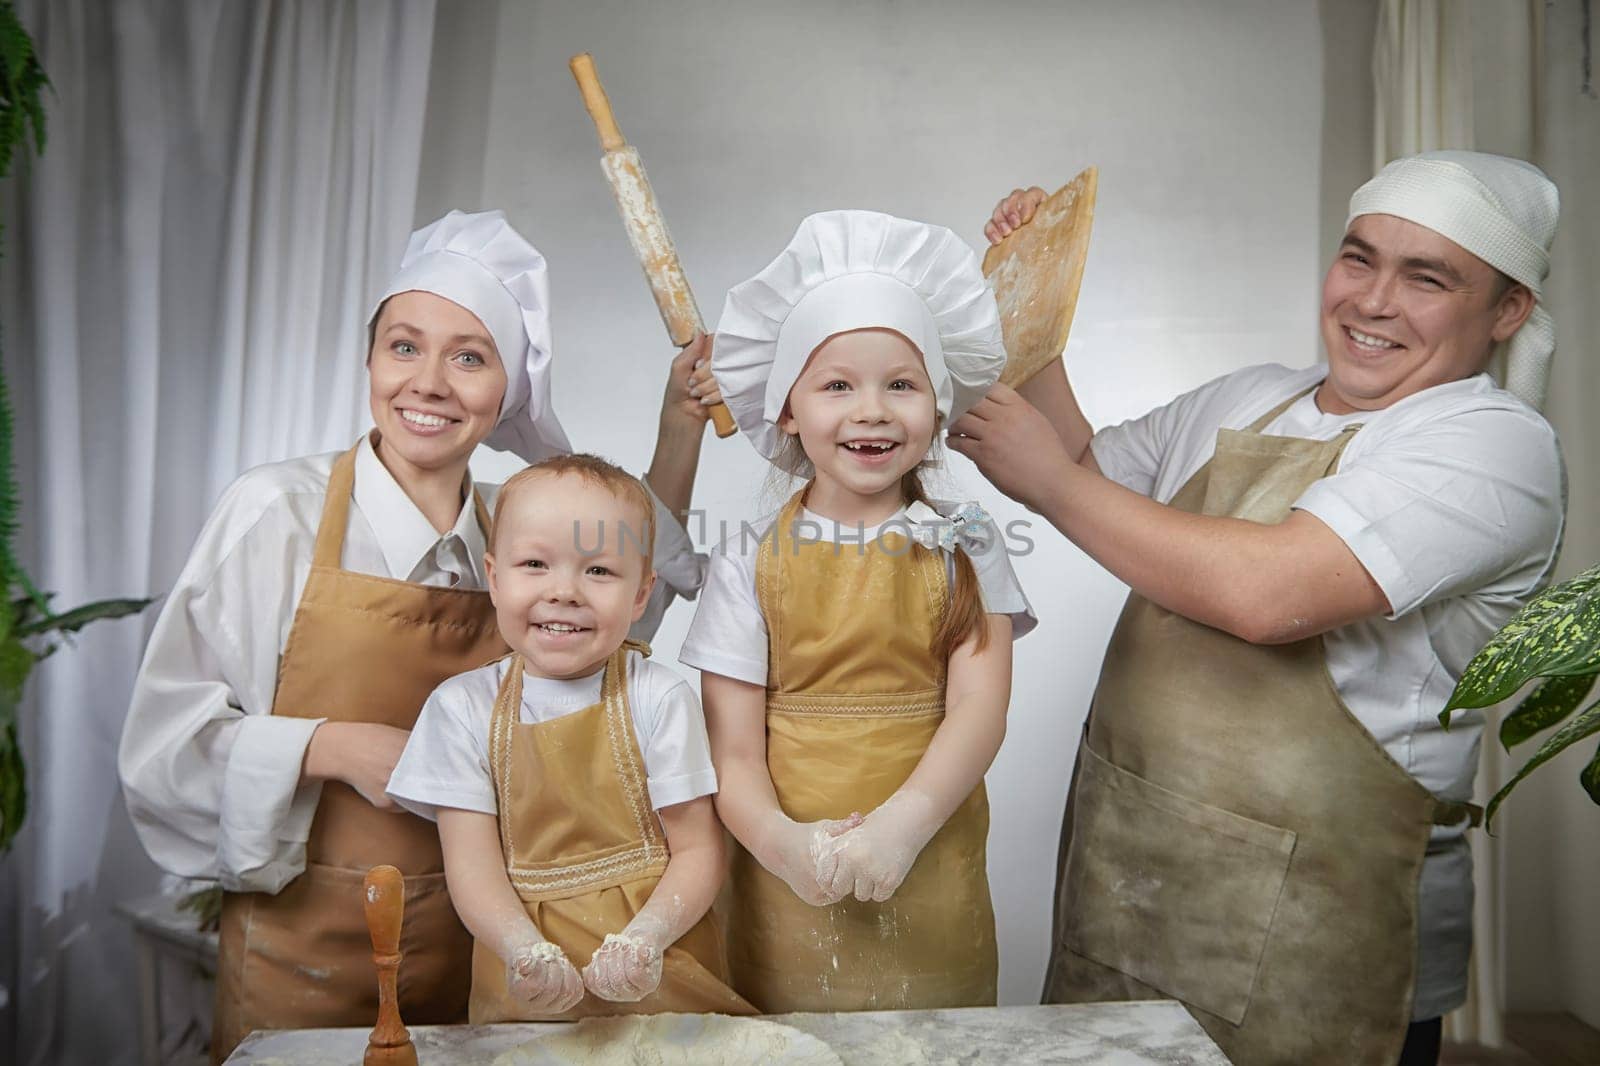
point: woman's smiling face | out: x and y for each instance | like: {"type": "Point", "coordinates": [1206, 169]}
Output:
{"type": "Point", "coordinates": [436, 381]}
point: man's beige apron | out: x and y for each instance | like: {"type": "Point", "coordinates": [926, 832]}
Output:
{"type": "Point", "coordinates": [584, 850]}
{"type": "Point", "coordinates": [854, 695]}
{"type": "Point", "coordinates": [1235, 838]}
{"type": "Point", "coordinates": [361, 649]}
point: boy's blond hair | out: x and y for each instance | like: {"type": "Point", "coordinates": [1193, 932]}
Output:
{"type": "Point", "coordinates": [597, 471]}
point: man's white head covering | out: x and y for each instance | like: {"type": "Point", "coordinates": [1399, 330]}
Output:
{"type": "Point", "coordinates": [1500, 209]}
{"type": "Point", "coordinates": [481, 263]}
{"type": "Point", "coordinates": [849, 270]}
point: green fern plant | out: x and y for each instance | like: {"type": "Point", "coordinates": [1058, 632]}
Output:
{"type": "Point", "coordinates": [29, 629]}
{"type": "Point", "coordinates": [1555, 637]}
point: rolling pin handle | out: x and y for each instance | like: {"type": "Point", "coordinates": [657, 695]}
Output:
{"type": "Point", "coordinates": [595, 100]}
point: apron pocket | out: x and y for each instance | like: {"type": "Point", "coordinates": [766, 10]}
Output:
{"type": "Point", "coordinates": [1171, 891]}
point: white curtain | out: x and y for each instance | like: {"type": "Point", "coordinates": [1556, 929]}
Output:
{"type": "Point", "coordinates": [1466, 74]}
{"type": "Point", "coordinates": [187, 267]}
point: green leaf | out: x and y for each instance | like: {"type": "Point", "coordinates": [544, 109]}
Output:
{"type": "Point", "coordinates": [1547, 705]}
{"type": "Point", "coordinates": [1585, 725]}
{"type": "Point", "coordinates": [13, 786]}
{"type": "Point", "coordinates": [25, 608]}
{"type": "Point", "coordinates": [1556, 634]}
{"type": "Point", "coordinates": [1590, 778]}
{"type": "Point", "coordinates": [16, 662]}
{"type": "Point", "coordinates": [206, 905]}
{"type": "Point", "coordinates": [75, 619]}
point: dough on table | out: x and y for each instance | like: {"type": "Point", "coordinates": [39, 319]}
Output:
{"type": "Point", "coordinates": [673, 1040]}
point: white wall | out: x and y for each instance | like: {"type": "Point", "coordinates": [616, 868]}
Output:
{"type": "Point", "coordinates": [1205, 121]}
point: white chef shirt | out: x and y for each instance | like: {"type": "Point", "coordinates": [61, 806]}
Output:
{"type": "Point", "coordinates": [211, 777]}
{"type": "Point", "coordinates": [1453, 500]}
{"type": "Point", "coordinates": [446, 761]}
{"type": "Point", "coordinates": [729, 632]}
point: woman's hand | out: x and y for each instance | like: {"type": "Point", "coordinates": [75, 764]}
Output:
{"type": "Point", "coordinates": [1015, 210]}
{"type": "Point", "coordinates": [690, 389]}
{"type": "Point", "coordinates": [361, 754]}
{"type": "Point", "coordinates": [539, 974]}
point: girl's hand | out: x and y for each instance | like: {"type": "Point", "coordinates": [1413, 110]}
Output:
{"type": "Point", "coordinates": [690, 388]}
{"type": "Point", "coordinates": [872, 860]}
{"type": "Point", "coordinates": [626, 968]}
{"type": "Point", "coordinates": [791, 850]}
{"type": "Point", "coordinates": [1015, 210]}
{"type": "Point", "coordinates": [540, 975]}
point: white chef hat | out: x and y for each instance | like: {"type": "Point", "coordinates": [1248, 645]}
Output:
{"type": "Point", "coordinates": [480, 262]}
{"type": "Point", "coordinates": [1500, 209]}
{"type": "Point", "coordinates": [849, 270]}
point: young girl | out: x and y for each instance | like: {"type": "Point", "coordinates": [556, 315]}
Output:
{"type": "Point", "coordinates": [571, 780]}
{"type": "Point", "coordinates": [856, 656]}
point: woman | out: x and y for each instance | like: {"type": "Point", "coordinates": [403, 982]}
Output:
{"type": "Point", "coordinates": [325, 598]}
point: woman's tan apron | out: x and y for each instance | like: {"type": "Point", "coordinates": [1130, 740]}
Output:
{"type": "Point", "coordinates": [361, 649]}
{"type": "Point", "coordinates": [854, 695]}
{"type": "Point", "coordinates": [1235, 838]}
{"type": "Point", "coordinates": [584, 850]}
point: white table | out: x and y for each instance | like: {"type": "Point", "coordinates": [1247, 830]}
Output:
{"type": "Point", "coordinates": [1116, 1034]}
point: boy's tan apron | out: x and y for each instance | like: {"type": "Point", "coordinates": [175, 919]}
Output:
{"type": "Point", "coordinates": [854, 695]}
{"type": "Point", "coordinates": [1235, 838]}
{"type": "Point", "coordinates": [584, 850]}
{"type": "Point", "coordinates": [361, 649]}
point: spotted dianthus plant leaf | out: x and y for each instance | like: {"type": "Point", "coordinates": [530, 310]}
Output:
{"type": "Point", "coordinates": [1556, 635]}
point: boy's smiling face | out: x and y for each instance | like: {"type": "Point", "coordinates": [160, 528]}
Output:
{"type": "Point", "coordinates": [567, 573]}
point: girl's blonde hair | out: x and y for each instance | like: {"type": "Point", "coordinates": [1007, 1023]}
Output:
{"type": "Point", "coordinates": [597, 471]}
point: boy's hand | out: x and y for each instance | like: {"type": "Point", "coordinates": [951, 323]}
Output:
{"type": "Point", "coordinates": [541, 976]}
{"type": "Point", "coordinates": [690, 388]}
{"type": "Point", "coordinates": [792, 851]}
{"type": "Point", "coordinates": [626, 968]}
{"type": "Point", "coordinates": [1015, 210]}
{"type": "Point", "coordinates": [872, 860]}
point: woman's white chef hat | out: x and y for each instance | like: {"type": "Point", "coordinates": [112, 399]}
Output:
{"type": "Point", "coordinates": [1500, 209]}
{"type": "Point", "coordinates": [480, 262]}
{"type": "Point", "coordinates": [849, 270]}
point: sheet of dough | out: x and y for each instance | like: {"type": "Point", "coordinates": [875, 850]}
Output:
{"type": "Point", "coordinates": [673, 1040]}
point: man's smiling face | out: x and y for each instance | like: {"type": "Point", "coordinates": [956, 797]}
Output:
{"type": "Point", "coordinates": [1404, 309]}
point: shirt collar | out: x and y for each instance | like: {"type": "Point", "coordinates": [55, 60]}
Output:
{"type": "Point", "coordinates": [404, 534]}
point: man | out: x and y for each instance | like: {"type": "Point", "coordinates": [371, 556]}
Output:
{"type": "Point", "coordinates": [1267, 820]}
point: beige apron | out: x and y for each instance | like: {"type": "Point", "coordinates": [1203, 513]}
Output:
{"type": "Point", "coordinates": [584, 850]}
{"type": "Point", "coordinates": [1235, 838]}
{"type": "Point", "coordinates": [854, 695]}
{"type": "Point", "coordinates": [361, 649]}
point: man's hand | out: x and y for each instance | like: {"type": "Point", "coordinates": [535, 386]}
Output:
{"type": "Point", "coordinates": [1014, 445]}
{"type": "Point", "coordinates": [690, 390]}
{"type": "Point", "coordinates": [625, 968]}
{"type": "Point", "coordinates": [1015, 210]}
{"type": "Point", "coordinates": [540, 975]}
{"type": "Point", "coordinates": [361, 754]}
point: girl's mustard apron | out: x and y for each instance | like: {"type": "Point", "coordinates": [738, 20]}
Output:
{"type": "Point", "coordinates": [1235, 838]}
{"type": "Point", "coordinates": [360, 649]}
{"type": "Point", "coordinates": [584, 850]}
{"type": "Point", "coordinates": [854, 695]}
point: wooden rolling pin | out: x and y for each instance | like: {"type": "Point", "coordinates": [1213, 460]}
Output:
{"type": "Point", "coordinates": [647, 230]}
{"type": "Point", "coordinates": [390, 1042]}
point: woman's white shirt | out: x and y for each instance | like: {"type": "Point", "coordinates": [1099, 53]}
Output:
{"type": "Point", "coordinates": [211, 777]}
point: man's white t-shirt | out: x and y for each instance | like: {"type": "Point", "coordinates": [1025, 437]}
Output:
{"type": "Point", "coordinates": [446, 761]}
{"type": "Point", "coordinates": [1453, 500]}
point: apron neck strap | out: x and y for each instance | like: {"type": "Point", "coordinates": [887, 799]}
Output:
{"type": "Point", "coordinates": [335, 511]}
{"type": "Point", "coordinates": [1266, 420]}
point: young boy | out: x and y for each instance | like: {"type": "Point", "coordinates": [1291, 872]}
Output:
{"type": "Point", "coordinates": [572, 780]}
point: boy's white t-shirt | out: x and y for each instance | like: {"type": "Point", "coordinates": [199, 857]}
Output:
{"type": "Point", "coordinates": [729, 633]}
{"type": "Point", "coordinates": [446, 761]}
